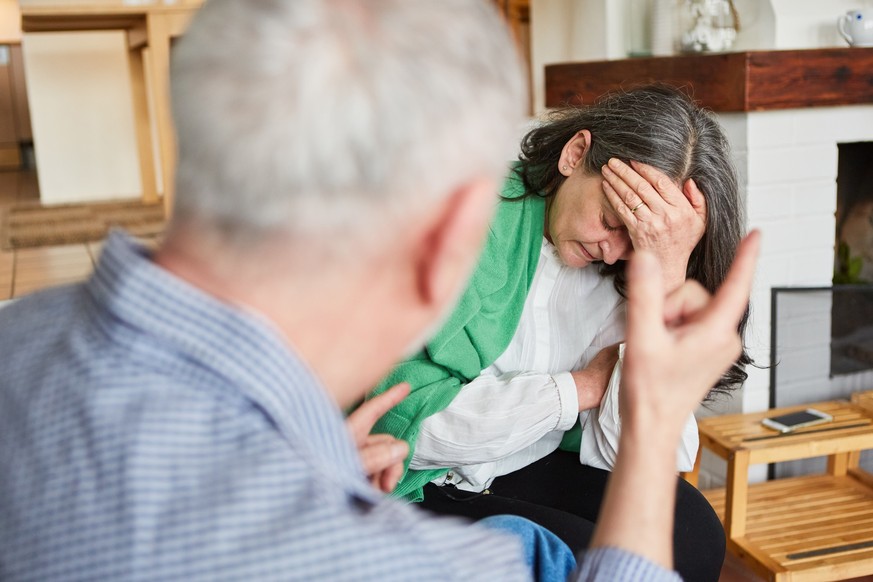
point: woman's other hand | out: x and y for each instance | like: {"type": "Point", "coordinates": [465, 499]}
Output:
{"type": "Point", "coordinates": [382, 455]}
{"type": "Point", "coordinates": [660, 217]}
{"type": "Point", "coordinates": [591, 381]}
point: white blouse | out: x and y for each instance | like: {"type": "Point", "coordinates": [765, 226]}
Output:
{"type": "Point", "coordinates": [517, 410]}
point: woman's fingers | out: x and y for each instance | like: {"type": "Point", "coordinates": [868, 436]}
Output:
{"type": "Point", "coordinates": [625, 214]}
{"type": "Point", "coordinates": [661, 182]}
{"type": "Point", "coordinates": [639, 182]}
{"type": "Point", "coordinates": [694, 195]}
{"type": "Point", "coordinates": [633, 188]}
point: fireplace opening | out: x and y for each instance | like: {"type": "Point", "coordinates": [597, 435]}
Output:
{"type": "Point", "coordinates": [852, 314]}
{"type": "Point", "coordinates": [853, 263]}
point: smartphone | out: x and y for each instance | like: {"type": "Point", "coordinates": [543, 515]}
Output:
{"type": "Point", "coordinates": [795, 420]}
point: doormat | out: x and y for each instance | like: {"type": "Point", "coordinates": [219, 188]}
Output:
{"type": "Point", "coordinates": [33, 225]}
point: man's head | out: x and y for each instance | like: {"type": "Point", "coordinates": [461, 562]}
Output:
{"type": "Point", "coordinates": [330, 137]}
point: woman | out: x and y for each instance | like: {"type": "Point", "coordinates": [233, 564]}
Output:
{"type": "Point", "coordinates": [492, 417]}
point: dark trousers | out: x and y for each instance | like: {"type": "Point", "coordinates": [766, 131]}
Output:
{"type": "Point", "coordinates": [564, 496]}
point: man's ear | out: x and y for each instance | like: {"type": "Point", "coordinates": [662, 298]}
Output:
{"type": "Point", "coordinates": [452, 241]}
{"type": "Point", "coordinates": [574, 151]}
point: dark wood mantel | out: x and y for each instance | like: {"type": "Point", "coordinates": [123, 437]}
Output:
{"type": "Point", "coordinates": [742, 81]}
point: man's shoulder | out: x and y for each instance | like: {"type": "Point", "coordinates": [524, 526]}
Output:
{"type": "Point", "coordinates": [33, 309]}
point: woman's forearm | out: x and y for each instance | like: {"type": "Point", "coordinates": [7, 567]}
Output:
{"type": "Point", "coordinates": [494, 417]}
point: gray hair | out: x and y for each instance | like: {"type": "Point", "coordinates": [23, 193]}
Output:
{"type": "Point", "coordinates": [660, 126]}
{"type": "Point", "coordinates": [333, 118]}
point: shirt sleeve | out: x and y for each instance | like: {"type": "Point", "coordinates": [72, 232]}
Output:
{"type": "Point", "coordinates": [617, 565]}
{"type": "Point", "coordinates": [495, 416]}
{"type": "Point", "coordinates": [611, 332]}
{"type": "Point", "coordinates": [601, 431]}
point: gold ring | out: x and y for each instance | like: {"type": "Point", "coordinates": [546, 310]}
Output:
{"type": "Point", "coordinates": [637, 207]}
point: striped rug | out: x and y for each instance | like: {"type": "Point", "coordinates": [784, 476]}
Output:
{"type": "Point", "coordinates": [32, 225]}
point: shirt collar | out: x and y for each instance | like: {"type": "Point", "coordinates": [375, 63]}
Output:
{"type": "Point", "coordinates": [249, 353]}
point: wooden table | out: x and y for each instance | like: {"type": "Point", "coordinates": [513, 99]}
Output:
{"type": "Point", "coordinates": [147, 26]}
{"type": "Point", "coordinates": [817, 527]}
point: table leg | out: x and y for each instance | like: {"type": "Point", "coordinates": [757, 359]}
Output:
{"type": "Point", "coordinates": [838, 464]}
{"type": "Point", "coordinates": [142, 124]}
{"type": "Point", "coordinates": [158, 28]}
{"type": "Point", "coordinates": [736, 494]}
{"type": "Point", "coordinates": [854, 459]}
{"type": "Point", "coordinates": [693, 476]}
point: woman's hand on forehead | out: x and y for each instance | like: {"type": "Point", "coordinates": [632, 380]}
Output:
{"type": "Point", "coordinates": [660, 216]}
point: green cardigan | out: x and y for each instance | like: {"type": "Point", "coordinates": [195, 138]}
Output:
{"type": "Point", "coordinates": [477, 331]}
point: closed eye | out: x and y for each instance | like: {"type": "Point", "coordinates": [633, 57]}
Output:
{"type": "Point", "coordinates": [606, 224]}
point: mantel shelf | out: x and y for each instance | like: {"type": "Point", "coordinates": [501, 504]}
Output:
{"type": "Point", "coordinates": [741, 81]}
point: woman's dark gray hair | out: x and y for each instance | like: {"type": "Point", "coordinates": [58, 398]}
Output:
{"type": "Point", "coordinates": [660, 126]}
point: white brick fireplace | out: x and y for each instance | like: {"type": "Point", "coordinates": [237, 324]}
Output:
{"type": "Point", "coordinates": [787, 162]}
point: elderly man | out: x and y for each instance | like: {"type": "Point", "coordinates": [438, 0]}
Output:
{"type": "Point", "coordinates": [178, 415]}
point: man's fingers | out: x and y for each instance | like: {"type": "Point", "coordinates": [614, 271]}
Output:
{"type": "Point", "coordinates": [390, 477]}
{"type": "Point", "coordinates": [379, 456]}
{"type": "Point", "coordinates": [379, 439]}
{"type": "Point", "coordinates": [361, 421]}
{"type": "Point", "coordinates": [645, 293]}
{"type": "Point", "coordinates": [732, 297]}
{"type": "Point", "coordinates": [691, 298]}
{"type": "Point", "coordinates": [684, 302]}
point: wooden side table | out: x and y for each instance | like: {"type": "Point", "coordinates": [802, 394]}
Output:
{"type": "Point", "coordinates": [147, 26]}
{"type": "Point", "coordinates": [817, 527]}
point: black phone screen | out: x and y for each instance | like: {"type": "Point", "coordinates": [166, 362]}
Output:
{"type": "Point", "coordinates": [795, 418]}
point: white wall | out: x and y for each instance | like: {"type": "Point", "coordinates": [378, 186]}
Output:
{"type": "Point", "coordinates": [82, 115]}
{"type": "Point", "coordinates": [574, 30]}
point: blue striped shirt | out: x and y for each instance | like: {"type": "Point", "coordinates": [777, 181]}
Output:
{"type": "Point", "coordinates": [151, 432]}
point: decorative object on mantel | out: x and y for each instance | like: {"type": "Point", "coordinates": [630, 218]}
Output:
{"type": "Point", "coordinates": [33, 225]}
{"type": "Point", "coordinates": [856, 26]}
{"type": "Point", "coordinates": [741, 81]}
{"type": "Point", "coordinates": [707, 26]}
{"type": "Point", "coordinates": [663, 22]}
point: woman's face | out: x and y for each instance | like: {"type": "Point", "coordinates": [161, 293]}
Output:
{"type": "Point", "coordinates": [583, 226]}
